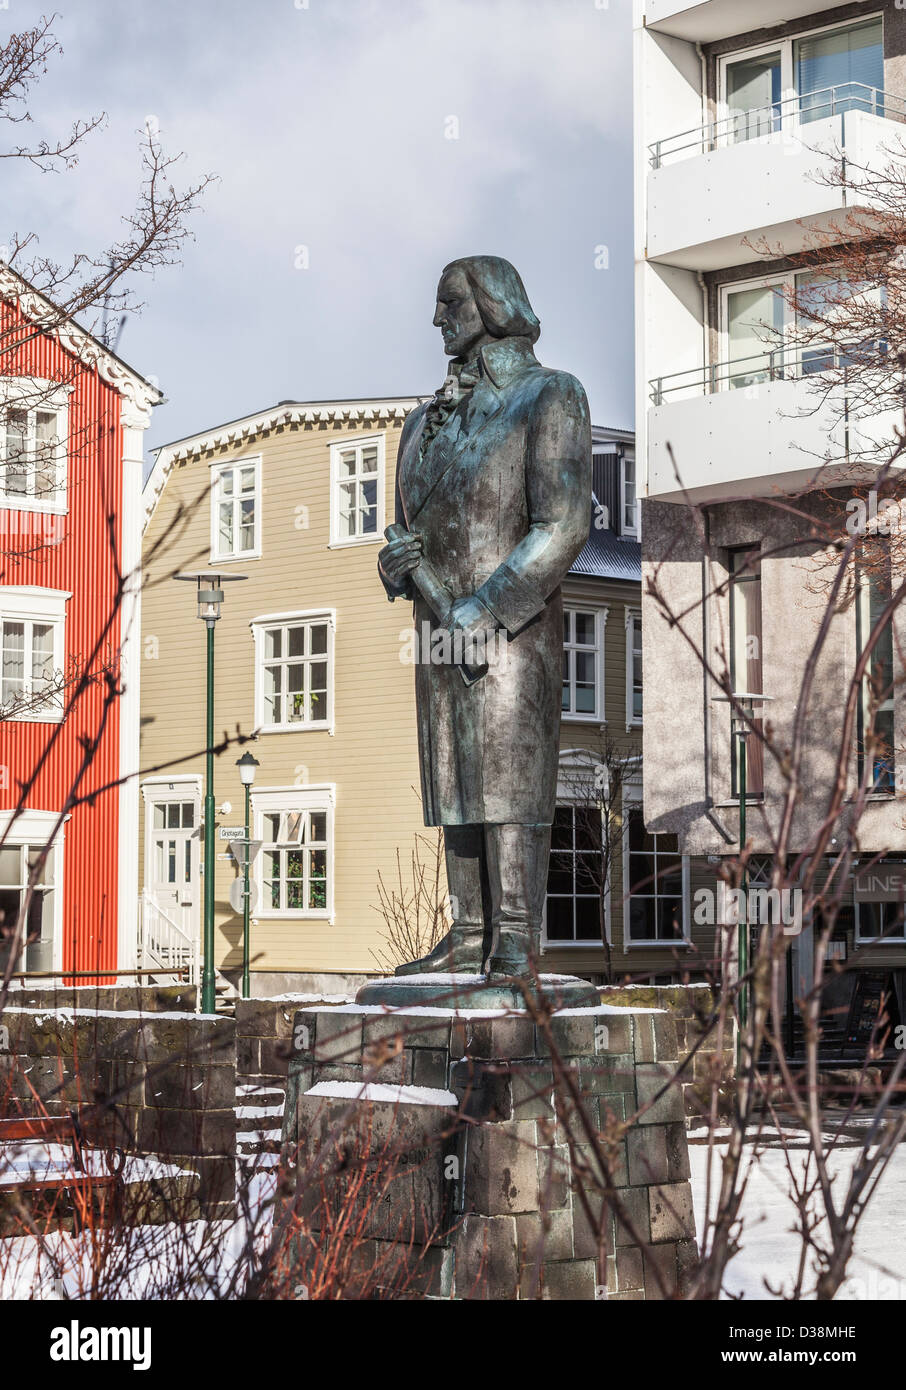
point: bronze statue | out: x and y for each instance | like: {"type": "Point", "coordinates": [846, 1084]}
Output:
{"type": "Point", "coordinates": [493, 492]}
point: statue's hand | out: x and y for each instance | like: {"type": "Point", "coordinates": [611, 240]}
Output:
{"type": "Point", "coordinates": [399, 558]}
{"type": "Point", "coordinates": [470, 615]}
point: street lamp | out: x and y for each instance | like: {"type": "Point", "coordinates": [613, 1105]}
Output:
{"type": "Point", "coordinates": [246, 765]}
{"type": "Point", "coordinates": [209, 597]}
{"type": "Point", "coordinates": [742, 713]}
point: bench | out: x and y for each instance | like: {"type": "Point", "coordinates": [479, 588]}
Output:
{"type": "Point", "coordinates": [97, 1187]}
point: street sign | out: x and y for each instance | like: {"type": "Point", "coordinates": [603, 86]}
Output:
{"type": "Point", "coordinates": [236, 895]}
{"type": "Point", "coordinates": [232, 832]}
{"type": "Point", "coordinates": [238, 850]}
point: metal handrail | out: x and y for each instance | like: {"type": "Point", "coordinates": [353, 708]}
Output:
{"type": "Point", "coordinates": [781, 363]}
{"type": "Point", "coordinates": [161, 944]}
{"type": "Point", "coordinates": [741, 126]}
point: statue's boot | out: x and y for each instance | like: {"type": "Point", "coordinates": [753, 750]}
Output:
{"type": "Point", "coordinates": [518, 858]}
{"type": "Point", "coordinates": [460, 952]}
{"type": "Point", "coordinates": [464, 949]}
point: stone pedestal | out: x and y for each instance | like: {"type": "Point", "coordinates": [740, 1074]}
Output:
{"type": "Point", "coordinates": [438, 1138]}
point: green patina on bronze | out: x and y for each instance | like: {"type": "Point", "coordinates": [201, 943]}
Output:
{"type": "Point", "coordinates": [493, 489]}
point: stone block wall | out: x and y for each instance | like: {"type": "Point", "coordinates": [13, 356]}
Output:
{"type": "Point", "coordinates": [714, 1061]}
{"type": "Point", "coordinates": [146, 1083]}
{"type": "Point", "coordinates": [146, 999]}
{"type": "Point", "coordinates": [264, 1030]}
{"type": "Point", "coordinates": [456, 1122]}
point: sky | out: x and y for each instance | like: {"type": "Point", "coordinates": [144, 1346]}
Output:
{"type": "Point", "coordinates": [359, 146]}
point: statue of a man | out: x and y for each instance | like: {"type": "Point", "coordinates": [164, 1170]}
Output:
{"type": "Point", "coordinates": [493, 488]}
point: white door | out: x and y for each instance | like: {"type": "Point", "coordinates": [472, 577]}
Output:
{"type": "Point", "coordinates": [173, 861]}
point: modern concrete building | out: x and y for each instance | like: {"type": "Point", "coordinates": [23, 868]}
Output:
{"type": "Point", "coordinates": [745, 116]}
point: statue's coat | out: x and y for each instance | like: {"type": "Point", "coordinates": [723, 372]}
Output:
{"type": "Point", "coordinates": [501, 498]}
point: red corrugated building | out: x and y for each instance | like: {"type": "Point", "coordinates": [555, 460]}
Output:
{"type": "Point", "coordinates": [72, 417]}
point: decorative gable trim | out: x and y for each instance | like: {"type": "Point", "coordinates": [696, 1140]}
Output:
{"type": "Point", "coordinates": [375, 413]}
{"type": "Point", "coordinates": [138, 394]}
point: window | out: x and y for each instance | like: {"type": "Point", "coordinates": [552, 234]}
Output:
{"type": "Point", "coordinates": [656, 876]}
{"type": "Point", "coordinates": [16, 863]}
{"type": "Point", "coordinates": [236, 510]}
{"type": "Point", "coordinates": [357, 491]}
{"type": "Point", "coordinates": [33, 436]}
{"type": "Point", "coordinates": [295, 866]}
{"type": "Point", "coordinates": [763, 320]}
{"type": "Point", "coordinates": [798, 80]}
{"type": "Point", "coordinates": [753, 96]}
{"type": "Point", "coordinates": [875, 715]}
{"type": "Point", "coordinates": [629, 506]}
{"type": "Point", "coordinates": [633, 667]}
{"type": "Point", "coordinates": [32, 653]}
{"type": "Point", "coordinates": [877, 920]}
{"type": "Point", "coordinates": [574, 889]}
{"type": "Point", "coordinates": [172, 826]}
{"type": "Point", "coordinates": [294, 681]}
{"type": "Point", "coordinates": [841, 69]}
{"type": "Point", "coordinates": [583, 655]}
{"type": "Point", "coordinates": [24, 842]}
{"type": "Point", "coordinates": [746, 658]}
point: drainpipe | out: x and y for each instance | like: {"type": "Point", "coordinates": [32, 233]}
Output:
{"type": "Point", "coordinates": [703, 62]}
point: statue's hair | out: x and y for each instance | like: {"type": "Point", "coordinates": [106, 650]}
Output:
{"type": "Point", "coordinates": [500, 295]}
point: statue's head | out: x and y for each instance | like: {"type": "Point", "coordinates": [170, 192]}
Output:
{"type": "Point", "coordinates": [481, 298]}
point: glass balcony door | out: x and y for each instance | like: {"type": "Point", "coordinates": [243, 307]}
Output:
{"type": "Point", "coordinates": [796, 81]}
{"type": "Point", "coordinates": [839, 70]}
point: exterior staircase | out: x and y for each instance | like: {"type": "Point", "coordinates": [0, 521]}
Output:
{"type": "Point", "coordinates": [164, 947]}
{"type": "Point", "coordinates": [259, 1120]}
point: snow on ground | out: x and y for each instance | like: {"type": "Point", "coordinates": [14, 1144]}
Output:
{"type": "Point", "coordinates": [770, 1247]}
{"type": "Point", "coordinates": [199, 1259]}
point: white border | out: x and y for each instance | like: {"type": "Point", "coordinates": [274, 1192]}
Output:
{"type": "Point", "coordinates": [35, 827]}
{"type": "Point", "coordinates": [259, 626]}
{"type": "Point", "coordinates": [600, 612]}
{"type": "Point", "coordinates": [311, 797]}
{"type": "Point", "coordinates": [338, 542]}
{"type": "Point", "coordinates": [218, 466]}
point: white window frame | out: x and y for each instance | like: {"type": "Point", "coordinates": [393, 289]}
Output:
{"type": "Point", "coordinates": [632, 800]}
{"type": "Point", "coordinates": [32, 394]}
{"type": "Point", "coordinates": [576, 765]}
{"type": "Point", "coordinates": [339, 446]}
{"type": "Point", "coordinates": [634, 531]}
{"type": "Point", "coordinates": [600, 617]}
{"type": "Point", "coordinates": [270, 800]}
{"type": "Point", "coordinates": [218, 468]}
{"type": "Point", "coordinates": [881, 941]}
{"type": "Point", "coordinates": [633, 616]}
{"type": "Point", "coordinates": [26, 603]}
{"type": "Point", "coordinates": [787, 72]}
{"type": "Point", "coordinates": [259, 627]}
{"type": "Point", "coordinates": [33, 827]}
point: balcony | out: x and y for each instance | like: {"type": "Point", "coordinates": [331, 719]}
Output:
{"type": "Point", "coordinates": [755, 427]}
{"type": "Point", "coordinates": [721, 193]}
{"type": "Point", "coordinates": [720, 19]}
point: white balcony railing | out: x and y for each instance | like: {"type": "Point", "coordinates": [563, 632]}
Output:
{"type": "Point", "coordinates": [163, 944]}
{"type": "Point", "coordinates": [785, 362]}
{"type": "Point", "coordinates": [788, 115]}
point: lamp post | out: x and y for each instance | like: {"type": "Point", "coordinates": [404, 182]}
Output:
{"type": "Point", "coordinates": [246, 765]}
{"type": "Point", "coordinates": [209, 597]}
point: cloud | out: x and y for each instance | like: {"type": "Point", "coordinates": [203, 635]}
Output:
{"type": "Point", "coordinates": [330, 128]}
